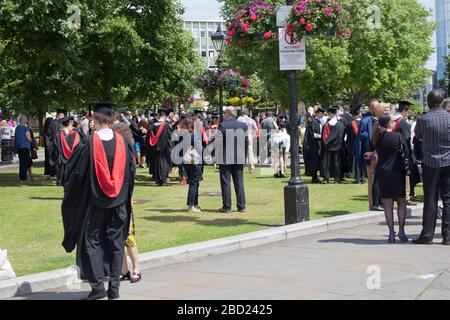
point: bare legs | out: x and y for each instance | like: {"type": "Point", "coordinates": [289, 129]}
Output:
{"type": "Point", "coordinates": [134, 256]}
{"type": "Point", "coordinates": [389, 214]}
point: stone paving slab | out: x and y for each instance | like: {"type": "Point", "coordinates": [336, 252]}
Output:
{"type": "Point", "coordinates": [330, 265]}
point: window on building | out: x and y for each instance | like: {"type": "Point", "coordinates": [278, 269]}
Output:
{"type": "Point", "coordinates": [211, 54]}
{"type": "Point", "coordinates": [203, 34]}
{"type": "Point", "coordinates": [204, 54]}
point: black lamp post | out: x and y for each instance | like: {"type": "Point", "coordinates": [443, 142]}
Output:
{"type": "Point", "coordinates": [218, 40]}
{"type": "Point", "coordinates": [266, 95]}
{"type": "Point", "coordinates": [296, 194]}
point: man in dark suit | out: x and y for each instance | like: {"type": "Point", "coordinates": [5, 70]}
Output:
{"type": "Point", "coordinates": [232, 139]}
{"type": "Point", "coordinates": [433, 130]}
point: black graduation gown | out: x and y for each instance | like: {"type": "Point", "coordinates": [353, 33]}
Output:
{"type": "Point", "coordinates": [51, 143]}
{"type": "Point", "coordinates": [405, 130]}
{"type": "Point", "coordinates": [347, 151]}
{"type": "Point", "coordinates": [62, 160]}
{"type": "Point", "coordinates": [332, 145]}
{"type": "Point", "coordinates": [311, 148]}
{"type": "Point", "coordinates": [95, 224]}
{"type": "Point", "coordinates": [160, 160]}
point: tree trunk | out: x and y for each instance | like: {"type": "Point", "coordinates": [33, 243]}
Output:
{"type": "Point", "coordinates": [107, 84]}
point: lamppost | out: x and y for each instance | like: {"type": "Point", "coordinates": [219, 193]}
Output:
{"type": "Point", "coordinates": [218, 40]}
{"type": "Point", "coordinates": [296, 194]}
{"type": "Point", "coordinates": [424, 99]}
{"type": "Point", "coordinates": [266, 95]}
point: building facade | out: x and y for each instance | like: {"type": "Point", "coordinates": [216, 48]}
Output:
{"type": "Point", "coordinates": [442, 35]}
{"type": "Point", "coordinates": [202, 32]}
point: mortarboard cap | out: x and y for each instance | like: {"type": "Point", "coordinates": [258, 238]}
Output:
{"type": "Point", "coordinates": [66, 121]}
{"type": "Point", "coordinates": [215, 115]}
{"type": "Point", "coordinates": [320, 109]}
{"type": "Point", "coordinates": [404, 105]}
{"type": "Point", "coordinates": [333, 110]}
{"type": "Point", "coordinates": [105, 108]}
{"type": "Point", "coordinates": [189, 114]}
{"type": "Point", "coordinates": [198, 112]}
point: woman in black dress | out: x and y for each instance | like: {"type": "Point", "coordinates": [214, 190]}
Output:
{"type": "Point", "coordinates": [390, 174]}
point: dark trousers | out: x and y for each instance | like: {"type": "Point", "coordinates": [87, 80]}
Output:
{"type": "Point", "coordinates": [194, 176]}
{"type": "Point", "coordinates": [104, 247]}
{"type": "Point", "coordinates": [435, 181]}
{"type": "Point", "coordinates": [237, 172]}
{"type": "Point", "coordinates": [24, 163]}
{"type": "Point", "coordinates": [332, 165]}
{"type": "Point", "coordinates": [376, 193]}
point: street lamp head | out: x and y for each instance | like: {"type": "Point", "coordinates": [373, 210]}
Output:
{"type": "Point", "coordinates": [218, 40]}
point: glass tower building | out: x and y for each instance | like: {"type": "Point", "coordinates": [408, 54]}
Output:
{"type": "Point", "coordinates": [442, 35]}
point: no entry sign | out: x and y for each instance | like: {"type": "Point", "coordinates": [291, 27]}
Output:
{"type": "Point", "coordinates": [292, 52]}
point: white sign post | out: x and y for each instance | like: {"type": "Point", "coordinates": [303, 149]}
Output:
{"type": "Point", "coordinates": [292, 52]}
{"type": "Point", "coordinates": [282, 15]}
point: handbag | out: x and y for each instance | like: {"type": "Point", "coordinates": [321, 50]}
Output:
{"type": "Point", "coordinates": [192, 156]}
{"type": "Point", "coordinates": [41, 141]}
{"type": "Point", "coordinates": [404, 157]}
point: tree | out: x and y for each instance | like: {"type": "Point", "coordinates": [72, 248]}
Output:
{"type": "Point", "coordinates": [134, 53]}
{"type": "Point", "coordinates": [387, 63]}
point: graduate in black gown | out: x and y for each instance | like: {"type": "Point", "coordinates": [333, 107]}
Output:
{"type": "Point", "coordinates": [50, 140]}
{"type": "Point", "coordinates": [347, 152]}
{"type": "Point", "coordinates": [404, 128]}
{"type": "Point", "coordinates": [311, 146]}
{"type": "Point", "coordinates": [159, 149]}
{"type": "Point", "coordinates": [96, 208]}
{"type": "Point", "coordinates": [332, 144]}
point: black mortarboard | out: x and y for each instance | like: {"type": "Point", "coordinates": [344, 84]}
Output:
{"type": "Point", "coordinates": [61, 110]}
{"type": "Point", "coordinates": [403, 105]}
{"type": "Point", "coordinates": [121, 110]}
{"type": "Point", "coordinates": [165, 110]}
{"type": "Point", "coordinates": [356, 108]}
{"type": "Point", "coordinates": [321, 110]}
{"type": "Point", "coordinates": [215, 115]}
{"type": "Point", "coordinates": [333, 110]}
{"type": "Point", "coordinates": [152, 114]}
{"type": "Point", "coordinates": [104, 108]}
{"type": "Point", "coordinates": [66, 121]}
{"type": "Point", "coordinates": [198, 112]}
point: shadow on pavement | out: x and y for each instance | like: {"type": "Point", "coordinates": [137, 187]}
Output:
{"type": "Point", "coordinates": [214, 222]}
{"type": "Point", "coordinates": [56, 296]}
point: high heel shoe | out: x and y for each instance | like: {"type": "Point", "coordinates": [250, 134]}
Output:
{"type": "Point", "coordinates": [403, 237]}
{"type": "Point", "coordinates": [392, 237]}
{"type": "Point", "coordinates": [139, 277]}
{"type": "Point", "coordinates": [126, 276]}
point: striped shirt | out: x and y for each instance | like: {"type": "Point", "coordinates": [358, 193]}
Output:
{"type": "Point", "coordinates": [433, 129]}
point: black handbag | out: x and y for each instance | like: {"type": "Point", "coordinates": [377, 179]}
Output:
{"type": "Point", "coordinates": [404, 157]}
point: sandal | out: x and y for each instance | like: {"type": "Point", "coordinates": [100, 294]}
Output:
{"type": "Point", "coordinates": [126, 276]}
{"type": "Point", "coordinates": [139, 277]}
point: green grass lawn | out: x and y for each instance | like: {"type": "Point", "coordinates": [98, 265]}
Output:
{"type": "Point", "coordinates": [31, 227]}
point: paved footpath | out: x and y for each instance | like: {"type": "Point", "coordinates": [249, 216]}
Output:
{"type": "Point", "coordinates": [332, 265]}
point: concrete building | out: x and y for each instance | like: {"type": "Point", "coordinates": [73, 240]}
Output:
{"type": "Point", "coordinates": [202, 31]}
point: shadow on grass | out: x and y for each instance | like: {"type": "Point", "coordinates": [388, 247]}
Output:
{"type": "Point", "coordinates": [12, 180]}
{"type": "Point", "coordinates": [46, 198]}
{"type": "Point", "coordinates": [328, 214]}
{"type": "Point", "coordinates": [215, 222]}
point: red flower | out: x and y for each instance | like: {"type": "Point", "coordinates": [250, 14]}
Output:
{"type": "Point", "coordinates": [289, 28]}
{"type": "Point", "coordinates": [267, 35]}
{"type": "Point", "coordinates": [328, 11]}
{"type": "Point", "coordinates": [302, 21]}
{"type": "Point", "coordinates": [348, 33]}
{"type": "Point", "coordinates": [253, 17]}
{"type": "Point", "coordinates": [309, 27]}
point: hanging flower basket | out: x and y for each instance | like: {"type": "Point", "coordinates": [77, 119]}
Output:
{"type": "Point", "coordinates": [233, 81]}
{"type": "Point", "coordinates": [318, 18]}
{"type": "Point", "coordinates": [255, 23]}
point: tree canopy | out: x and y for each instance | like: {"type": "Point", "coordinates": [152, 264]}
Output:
{"type": "Point", "coordinates": [134, 53]}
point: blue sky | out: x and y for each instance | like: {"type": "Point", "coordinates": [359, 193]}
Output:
{"type": "Point", "coordinates": [201, 9]}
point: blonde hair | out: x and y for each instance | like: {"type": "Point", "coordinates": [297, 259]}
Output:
{"type": "Point", "coordinates": [381, 109]}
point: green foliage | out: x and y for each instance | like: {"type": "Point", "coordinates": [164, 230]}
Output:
{"type": "Point", "coordinates": [134, 53]}
{"type": "Point", "coordinates": [386, 63]}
